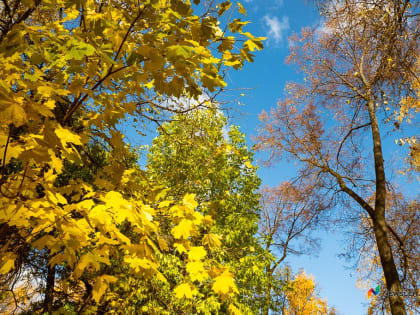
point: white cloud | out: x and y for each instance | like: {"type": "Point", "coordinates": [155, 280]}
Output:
{"type": "Point", "coordinates": [184, 103]}
{"type": "Point", "coordinates": [225, 131]}
{"type": "Point", "coordinates": [276, 28]}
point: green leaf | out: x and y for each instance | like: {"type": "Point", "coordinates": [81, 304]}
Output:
{"type": "Point", "coordinates": [79, 51]}
{"type": "Point", "coordinates": [177, 51]}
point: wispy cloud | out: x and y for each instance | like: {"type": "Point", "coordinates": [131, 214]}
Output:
{"type": "Point", "coordinates": [276, 28]}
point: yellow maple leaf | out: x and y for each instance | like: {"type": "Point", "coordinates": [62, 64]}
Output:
{"type": "Point", "coordinates": [65, 136]}
{"type": "Point", "coordinates": [197, 253]}
{"type": "Point", "coordinates": [183, 229]}
{"type": "Point", "coordinates": [86, 260]}
{"type": "Point", "coordinates": [241, 9]}
{"type": "Point", "coordinates": [13, 113]}
{"type": "Point", "coordinates": [13, 150]}
{"type": "Point", "coordinates": [212, 240]}
{"type": "Point", "coordinates": [189, 202]}
{"type": "Point", "coordinates": [233, 310]}
{"type": "Point", "coordinates": [165, 204]}
{"type": "Point", "coordinates": [224, 284]}
{"type": "Point", "coordinates": [8, 262]}
{"type": "Point", "coordinates": [207, 220]}
{"type": "Point", "coordinates": [140, 264]}
{"type": "Point", "coordinates": [180, 247]}
{"type": "Point", "coordinates": [45, 91]}
{"type": "Point", "coordinates": [162, 244]}
{"type": "Point", "coordinates": [46, 240]}
{"type": "Point", "coordinates": [184, 290]}
{"type": "Point", "coordinates": [196, 271]}
{"type": "Point", "coordinates": [99, 215]}
{"type": "Point", "coordinates": [177, 211]}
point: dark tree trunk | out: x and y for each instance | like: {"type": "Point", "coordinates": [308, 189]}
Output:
{"type": "Point", "coordinates": [49, 290]}
{"type": "Point", "coordinates": [379, 221]}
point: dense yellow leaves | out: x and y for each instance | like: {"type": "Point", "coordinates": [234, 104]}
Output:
{"type": "Point", "coordinates": [73, 72]}
{"type": "Point", "coordinates": [101, 285]}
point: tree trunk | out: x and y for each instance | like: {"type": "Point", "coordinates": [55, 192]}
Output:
{"type": "Point", "coordinates": [387, 261]}
{"type": "Point", "coordinates": [49, 290]}
{"type": "Point", "coordinates": [379, 222]}
{"type": "Point", "coordinates": [267, 293]}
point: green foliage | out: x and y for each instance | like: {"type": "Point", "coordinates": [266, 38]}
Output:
{"type": "Point", "coordinates": [200, 153]}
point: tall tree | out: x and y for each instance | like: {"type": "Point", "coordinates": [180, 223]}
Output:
{"type": "Point", "coordinates": [356, 66]}
{"type": "Point", "coordinates": [200, 153]}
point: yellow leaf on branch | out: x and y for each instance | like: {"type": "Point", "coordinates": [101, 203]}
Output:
{"type": "Point", "coordinates": [184, 290]}
{"type": "Point", "coordinates": [7, 262]}
{"type": "Point", "coordinates": [224, 284]}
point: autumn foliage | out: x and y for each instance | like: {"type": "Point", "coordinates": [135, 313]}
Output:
{"type": "Point", "coordinates": [77, 214]}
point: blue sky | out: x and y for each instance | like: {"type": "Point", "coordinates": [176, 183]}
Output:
{"type": "Point", "coordinates": [266, 79]}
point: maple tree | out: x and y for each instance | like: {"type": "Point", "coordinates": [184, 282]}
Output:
{"type": "Point", "coordinates": [72, 72]}
{"type": "Point", "coordinates": [356, 67]}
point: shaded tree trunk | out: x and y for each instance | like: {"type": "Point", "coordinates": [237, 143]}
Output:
{"type": "Point", "coordinates": [49, 290]}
